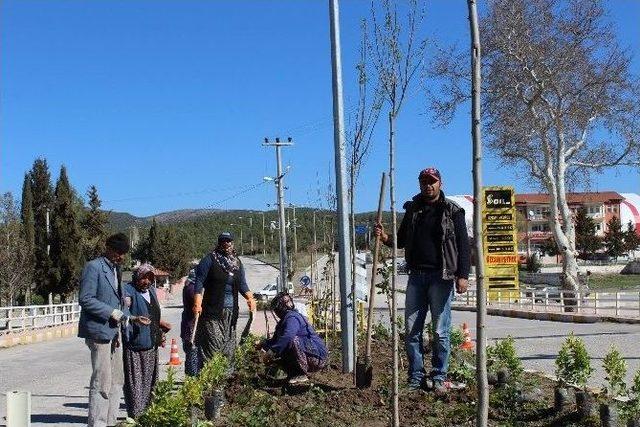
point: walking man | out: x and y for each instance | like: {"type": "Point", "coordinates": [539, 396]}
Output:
{"type": "Point", "coordinates": [102, 314]}
{"type": "Point", "coordinates": [434, 236]}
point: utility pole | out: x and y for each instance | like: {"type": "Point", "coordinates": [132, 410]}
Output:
{"type": "Point", "coordinates": [264, 238]}
{"type": "Point", "coordinates": [48, 232]}
{"type": "Point", "coordinates": [251, 232]}
{"type": "Point", "coordinates": [344, 247]}
{"type": "Point", "coordinates": [283, 234]}
{"type": "Point", "coordinates": [482, 408]}
{"type": "Point", "coordinates": [295, 233]}
{"type": "Point", "coordinates": [315, 236]}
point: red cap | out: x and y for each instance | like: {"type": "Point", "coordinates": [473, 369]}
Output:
{"type": "Point", "coordinates": [430, 172]}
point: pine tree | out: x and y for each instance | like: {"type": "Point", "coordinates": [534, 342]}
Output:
{"type": "Point", "coordinates": [614, 238]}
{"type": "Point", "coordinates": [631, 237]}
{"type": "Point", "coordinates": [147, 247]}
{"type": "Point", "coordinates": [42, 202]}
{"type": "Point", "coordinates": [172, 252]}
{"type": "Point", "coordinates": [26, 215]}
{"type": "Point", "coordinates": [66, 239]}
{"type": "Point", "coordinates": [587, 243]}
{"type": "Point", "coordinates": [94, 226]}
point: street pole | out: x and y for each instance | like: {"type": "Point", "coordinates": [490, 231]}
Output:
{"type": "Point", "coordinates": [482, 408]}
{"type": "Point", "coordinates": [251, 232]}
{"type": "Point", "coordinates": [315, 236]}
{"type": "Point", "coordinates": [295, 233]}
{"type": "Point", "coordinates": [282, 228]}
{"type": "Point", "coordinates": [344, 247]}
{"type": "Point", "coordinates": [264, 238]}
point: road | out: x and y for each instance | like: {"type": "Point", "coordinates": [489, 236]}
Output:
{"type": "Point", "coordinates": [57, 372]}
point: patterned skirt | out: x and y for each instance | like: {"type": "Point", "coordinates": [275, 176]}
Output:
{"type": "Point", "coordinates": [217, 336]}
{"type": "Point", "coordinates": [140, 376]}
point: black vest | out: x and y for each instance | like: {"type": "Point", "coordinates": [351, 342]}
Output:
{"type": "Point", "coordinates": [214, 284]}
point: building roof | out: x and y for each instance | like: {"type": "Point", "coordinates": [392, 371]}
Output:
{"type": "Point", "coordinates": [602, 197]}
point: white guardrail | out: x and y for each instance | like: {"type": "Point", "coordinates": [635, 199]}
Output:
{"type": "Point", "coordinates": [618, 304]}
{"type": "Point", "coordinates": [23, 318]}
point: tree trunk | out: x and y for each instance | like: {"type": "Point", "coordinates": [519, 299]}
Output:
{"type": "Point", "coordinates": [394, 266]}
{"type": "Point", "coordinates": [482, 411]}
{"type": "Point", "coordinates": [354, 323]}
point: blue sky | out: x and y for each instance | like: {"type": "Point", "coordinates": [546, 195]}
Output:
{"type": "Point", "coordinates": [163, 105]}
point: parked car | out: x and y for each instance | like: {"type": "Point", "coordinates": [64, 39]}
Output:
{"type": "Point", "coordinates": [267, 292]}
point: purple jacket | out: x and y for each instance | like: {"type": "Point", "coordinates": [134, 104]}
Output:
{"type": "Point", "coordinates": [292, 325]}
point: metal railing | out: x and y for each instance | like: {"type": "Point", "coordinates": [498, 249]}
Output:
{"type": "Point", "coordinates": [616, 303]}
{"type": "Point", "coordinates": [22, 318]}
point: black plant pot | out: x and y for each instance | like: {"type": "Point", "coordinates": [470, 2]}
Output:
{"type": "Point", "coordinates": [633, 422]}
{"type": "Point", "coordinates": [502, 377]}
{"type": "Point", "coordinates": [213, 405]}
{"type": "Point", "coordinates": [584, 403]}
{"type": "Point", "coordinates": [608, 415]}
{"type": "Point", "coordinates": [492, 378]}
{"type": "Point", "coordinates": [560, 398]}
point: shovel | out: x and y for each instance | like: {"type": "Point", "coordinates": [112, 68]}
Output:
{"type": "Point", "coordinates": [247, 328]}
{"type": "Point", "coordinates": [364, 370]}
{"type": "Point", "coordinates": [195, 328]}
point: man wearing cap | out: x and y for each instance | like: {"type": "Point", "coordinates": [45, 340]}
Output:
{"type": "Point", "coordinates": [103, 313]}
{"type": "Point", "coordinates": [220, 278]}
{"type": "Point", "coordinates": [434, 236]}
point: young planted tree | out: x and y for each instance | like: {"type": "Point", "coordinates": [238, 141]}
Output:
{"type": "Point", "coordinates": [358, 140]}
{"type": "Point", "coordinates": [94, 226]}
{"type": "Point", "coordinates": [66, 240]}
{"type": "Point", "coordinates": [555, 81]}
{"type": "Point", "coordinates": [15, 259]}
{"type": "Point", "coordinates": [587, 243]}
{"type": "Point", "coordinates": [398, 55]}
{"type": "Point", "coordinates": [614, 238]}
{"type": "Point", "coordinates": [42, 204]}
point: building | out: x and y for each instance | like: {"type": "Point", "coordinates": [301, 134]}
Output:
{"type": "Point", "coordinates": [534, 210]}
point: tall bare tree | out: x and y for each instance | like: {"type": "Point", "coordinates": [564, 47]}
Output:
{"type": "Point", "coordinates": [359, 136]}
{"type": "Point", "coordinates": [398, 55]}
{"type": "Point", "coordinates": [558, 96]}
{"type": "Point", "coordinates": [16, 263]}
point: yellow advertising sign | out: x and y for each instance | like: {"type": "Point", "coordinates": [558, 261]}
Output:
{"type": "Point", "coordinates": [500, 239]}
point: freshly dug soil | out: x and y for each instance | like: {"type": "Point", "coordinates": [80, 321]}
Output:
{"type": "Point", "coordinates": [255, 398]}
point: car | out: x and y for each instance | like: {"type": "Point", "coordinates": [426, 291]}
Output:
{"type": "Point", "coordinates": [267, 292]}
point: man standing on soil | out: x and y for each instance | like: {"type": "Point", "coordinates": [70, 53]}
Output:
{"type": "Point", "coordinates": [434, 236]}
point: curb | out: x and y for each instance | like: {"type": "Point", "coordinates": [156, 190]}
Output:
{"type": "Point", "coordinates": [552, 317]}
{"type": "Point", "coordinates": [38, 335]}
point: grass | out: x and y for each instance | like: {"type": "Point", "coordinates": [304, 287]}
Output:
{"type": "Point", "coordinates": [614, 282]}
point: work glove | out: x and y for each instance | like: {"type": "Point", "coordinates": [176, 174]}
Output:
{"type": "Point", "coordinates": [197, 304]}
{"type": "Point", "coordinates": [251, 301]}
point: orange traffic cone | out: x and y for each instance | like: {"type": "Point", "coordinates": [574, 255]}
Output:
{"type": "Point", "coordinates": [174, 358]}
{"type": "Point", "coordinates": [466, 344]}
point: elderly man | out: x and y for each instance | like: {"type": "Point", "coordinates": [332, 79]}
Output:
{"type": "Point", "coordinates": [434, 236]}
{"type": "Point", "coordinates": [102, 314]}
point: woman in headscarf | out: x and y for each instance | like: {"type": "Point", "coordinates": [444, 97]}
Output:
{"type": "Point", "coordinates": [219, 279]}
{"type": "Point", "coordinates": [142, 340]}
{"type": "Point", "coordinates": [297, 347]}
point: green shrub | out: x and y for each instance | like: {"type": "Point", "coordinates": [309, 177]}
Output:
{"type": "Point", "coordinates": [258, 413]}
{"type": "Point", "coordinates": [214, 373]}
{"type": "Point", "coordinates": [167, 409]}
{"type": "Point", "coordinates": [572, 364]}
{"type": "Point", "coordinates": [503, 355]}
{"type": "Point", "coordinates": [631, 408]}
{"type": "Point", "coordinates": [456, 337]}
{"type": "Point", "coordinates": [381, 332]}
{"type": "Point", "coordinates": [615, 368]}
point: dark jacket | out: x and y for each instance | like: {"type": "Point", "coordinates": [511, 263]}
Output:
{"type": "Point", "coordinates": [455, 251]}
{"type": "Point", "coordinates": [292, 325]}
{"type": "Point", "coordinates": [99, 295]}
{"type": "Point", "coordinates": [136, 336]}
{"type": "Point", "coordinates": [212, 277]}
{"type": "Point", "coordinates": [188, 318]}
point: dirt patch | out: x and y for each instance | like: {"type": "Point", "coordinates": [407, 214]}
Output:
{"type": "Point", "coordinates": [255, 398]}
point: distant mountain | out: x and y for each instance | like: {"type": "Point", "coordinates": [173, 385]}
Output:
{"type": "Point", "coordinates": [122, 220]}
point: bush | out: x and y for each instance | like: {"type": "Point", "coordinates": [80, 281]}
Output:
{"type": "Point", "coordinates": [166, 409]}
{"type": "Point", "coordinates": [456, 337]}
{"type": "Point", "coordinates": [573, 366]}
{"type": "Point", "coordinates": [381, 332]}
{"type": "Point", "coordinates": [214, 373]}
{"type": "Point", "coordinates": [616, 369]}
{"type": "Point", "coordinates": [631, 408]}
{"type": "Point", "coordinates": [503, 355]}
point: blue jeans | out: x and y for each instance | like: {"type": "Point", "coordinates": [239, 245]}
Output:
{"type": "Point", "coordinates": [428, 291]}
